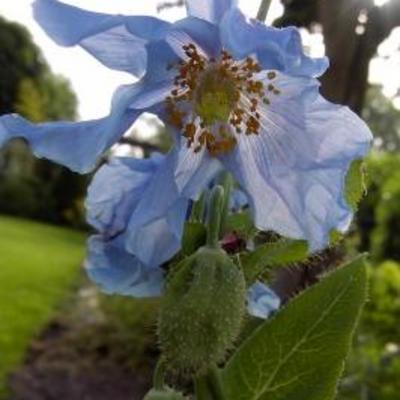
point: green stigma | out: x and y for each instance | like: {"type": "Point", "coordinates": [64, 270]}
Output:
{"type": "Point", "coordinates": [215, 97]}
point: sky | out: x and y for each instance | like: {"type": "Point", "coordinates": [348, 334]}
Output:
{"type": "Point", "coordinates": [94, 83]}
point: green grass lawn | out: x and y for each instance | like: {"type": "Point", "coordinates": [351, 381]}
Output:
{"type": "Point", "coordinates": [38, 267]}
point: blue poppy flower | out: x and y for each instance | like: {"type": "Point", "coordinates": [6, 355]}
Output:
{"type": "Point", "coordinates": [239, 96]}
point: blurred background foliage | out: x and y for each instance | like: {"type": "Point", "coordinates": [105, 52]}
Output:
{"type": "Point", "coordinates": [30, 187]}
{"type": "Point", "coordinates": [353, 31]}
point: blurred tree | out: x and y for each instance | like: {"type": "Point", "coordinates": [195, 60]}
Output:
{"type": "Point", "coordinates": [19, 59]}
{"type": "Point", "coordinates": [384, 120]}
{"type": "Point", "coordinates": [60, 102]}
{"type": "Point", "coordinates": [29, 101]}
{"type": "Point", "coordinates": [28, 87]}
{"type": "Point", "coordinates": [379, 213]}
{"type": "Point", "coordinates": [353, 30]}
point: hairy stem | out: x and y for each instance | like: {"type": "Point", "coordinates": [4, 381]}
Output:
{"type": "Point", "coordinates": [202, 389]}
{"type": "Point", "coordinates": [214, 216]}
{"type": "Point", "coordinates": [198, 210]}
{"type": "Point", "coordinates": [158, 378]}
{"type": "Point", "coordinates": [226, 182]}
{"type": "Point", "coordinates": [209, 386]}
{"type": "Point", "coordinates": [215, 383]}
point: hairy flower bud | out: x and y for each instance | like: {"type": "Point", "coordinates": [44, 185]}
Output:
{"type": "Point", "coordinates": [202, 311]}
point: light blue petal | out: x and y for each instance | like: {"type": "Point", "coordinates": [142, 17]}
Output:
{"type": "Point", "coordinates": [114, 196]}
{"type": "Point", "coordinates": [115, 192]}
{"type": "Point", "coordinates": [201, 33]}
{"type": "Point", "coordinates": [161, 59]}
{"type": "Point", "coordinates": [121, 198]}
{"type": "Point", "coordinates": [115, 40]}
{"type": "Point", "coordinates": [194, 171]}
{"type": "Point", "coordinates": [294, 171]}
{"type": "Point", "coordinates": [163, 56]}
{"type": "Point", "coordinates": [163, 206]}
{"type": "Point", "coordinates": [238, 200]}
{"type": "Point", "coordinates": [262, 301]}
{"type": "Point", "coordinates": [184, 173]}
{"type": "Point", "coordinates": [278, 49]}
{"type": "Point", "coordinates": [118, 272]}
{"type": "Point", "coordinates": [209, 10]}
{"type": "Point", "coordinates": [158, 240]}
{"type": "Point", "coordinates": [78, 146]}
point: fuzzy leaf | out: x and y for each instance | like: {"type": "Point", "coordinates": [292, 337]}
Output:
{"type": "Point", "coordinates": [355, 184]}
{"type": "Point", "coordinates": [272, 255]}
{"type": "Point", "coordinates": [299, 354]}
{"type": "Point", "coordinates": [242, 223]}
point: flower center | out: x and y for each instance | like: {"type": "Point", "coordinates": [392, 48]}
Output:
{"type": "Point", "coordinates": [213, 100]}
{"type": "Point", "coordinates": [216, 96]}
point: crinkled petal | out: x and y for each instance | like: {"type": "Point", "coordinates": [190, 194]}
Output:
{"type": "Point", "coordinates": [262, 301]}
{"type": "Point", "coordinates": [79, 145]}
{"type": "Point", "coordinates": [209, 10]}
{"type": "Point", "coordinates": [113, 199]}
{"type": "Point", "coordinates": [115, 40]}
{"type": "Point", "coordinates": [115, 191]}
{"type": "Point", "coordinates": [118, 272]}
{"type": "Point", "coordinates": [294, 171]}
{"type": "Point", "coordinates": [279, 49]}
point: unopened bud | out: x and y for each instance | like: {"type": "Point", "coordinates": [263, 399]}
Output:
{"type": "Point", "coordinates": [202, 312]}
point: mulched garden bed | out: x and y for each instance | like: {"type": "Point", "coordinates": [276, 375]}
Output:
{"type": "Point", "coordinates": [78, 357]}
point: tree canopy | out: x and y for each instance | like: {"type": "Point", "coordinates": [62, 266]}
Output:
{"type": "Point", "coordinates": [28, 186]}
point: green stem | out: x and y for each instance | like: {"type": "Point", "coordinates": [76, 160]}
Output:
{"type": "Point", "coordinates": [263, 10]}
{"type": "Point", "coordinates": [198, 209]}
{"type": "Point", "coordinates": [202, 389]}
{"type": "Point", "coordinates": [158, 377]}
{"type": "Point", "coordinates": [215, 383]}
{"type": "Point", "coordinates": [214, 216]}
{"type": "Point", "coordinates": [226, 182]}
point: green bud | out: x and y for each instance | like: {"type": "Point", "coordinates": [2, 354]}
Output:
{"type": "Point", "coordinates": [202, 312]}
{"type": "Point", "coordinates": [165, 394]}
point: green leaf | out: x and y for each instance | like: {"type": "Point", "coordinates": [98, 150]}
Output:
{"type": "Point", "coordinates": [299, 354]}
{"type": "Point", "coordinates": [272, 255]}
{"type": "Point", "coordinates": [355, 184]}
{"type": "Point", "coordinates": [242, 223]}
{"type": "Point", "coordinates": [194, 236]}
{"type": "Point", "coordinates": [335, 237]}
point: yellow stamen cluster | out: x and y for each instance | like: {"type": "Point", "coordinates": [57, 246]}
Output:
{"type": "Point", "coordinates": [213, 98]}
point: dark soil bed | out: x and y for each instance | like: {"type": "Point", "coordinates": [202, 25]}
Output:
{"type": "Point", "coordinates": [79, 358]}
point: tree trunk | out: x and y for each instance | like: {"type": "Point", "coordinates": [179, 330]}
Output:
{"type": "Point", "coordinates": [350, 51]}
